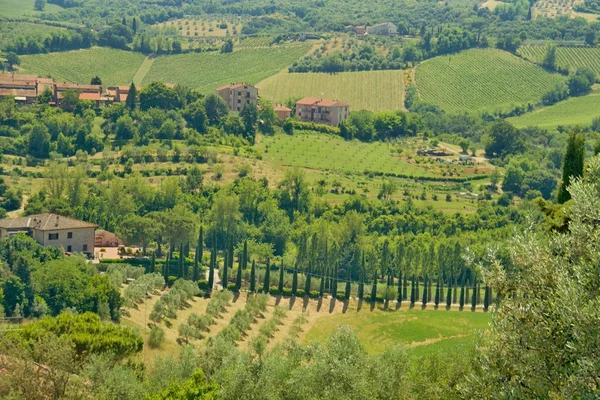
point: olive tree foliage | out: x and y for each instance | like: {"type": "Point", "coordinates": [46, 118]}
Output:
{"type": "Point", "coordinates": [543, 341]}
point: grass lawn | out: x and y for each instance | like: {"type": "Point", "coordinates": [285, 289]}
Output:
{"type": "Point", "coordinates": [19, 8]}
{"type": "Point", "coordinates": [114, 67]}
{"type": "Point", "coordinates": [421, 330]}
{"type": "Point", "coordinates": [573, 111]}
{"type": "Point", "coordinates": [481, 80]}
{"type": "Point", "coordinates": [365, 90]}
{"type": "Point", "coordinates": [207, 71]}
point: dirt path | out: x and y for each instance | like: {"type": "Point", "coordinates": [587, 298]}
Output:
{"type": "Point", "coordinates": [143, 70]}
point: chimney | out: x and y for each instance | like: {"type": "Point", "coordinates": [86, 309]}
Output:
{"type": "Point", "coordinates": [56, 221]}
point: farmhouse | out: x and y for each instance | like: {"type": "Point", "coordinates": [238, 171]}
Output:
{"type": "Point", "coordinates": [238, 94]}
{"type": "Point", "coordinates": [322, 111]}
{"type": "Point", "coordinates": [386, 28]}
{"type": "Point", "coordinates": [53, 230]}
{"type": "Point", "coordinates": [282, 112]}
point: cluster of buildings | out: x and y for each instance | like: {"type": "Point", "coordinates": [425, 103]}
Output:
{"type": "Point", "coordinates": [25, 89]}
{"type": "Point", "coordinates": [385, 28]}
{"type": "Point", "coordinates": [308, 109]}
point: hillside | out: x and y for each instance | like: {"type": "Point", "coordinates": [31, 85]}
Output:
{"type": "Point", "coordinates": [114, 67]}
{"type": "Point", "coordinates": [481, 80]}
{"type": "Point", "coordinates": [573, 111]}
{"type": "Point", "coordinates": [368, 90]}
{"type": "Point", "coordinates": [19, 8]}
{"type": "Point", "coordinates": [566, 57]}
{"type": "Point", "coordinates": [207, 71]}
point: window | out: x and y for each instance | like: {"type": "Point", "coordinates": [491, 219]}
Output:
{"type": "Point", "coordinates": [53, 236]}
{"type": "Point", "coordinates": [69, 235]}
{"type": "Point", "coordinates": [85, 247]}
{"type": "Point", "coordinates": [69, 249]}
{"type": "Point", "coordinates": [239, 93]}
{"type": "Point", "coordinates": [239, 101]}
{"type": "Point", "coordinates": [248, 95]}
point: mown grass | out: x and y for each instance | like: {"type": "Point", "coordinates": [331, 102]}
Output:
{"type": "Point", "coordinates": [482, 80]}
{"type": "Point", "coordinates": [207, 71]}
{"type": "Point", "coordinates": [419, 329]}
{"type": "Point", "coordinates": [19, 8]}
{"type": "Point", "coordinates": [114, 67]}
{"type": "Point", "coordinates": [365, 90]}
{"type": "Point", "coordinates": [573, 111]}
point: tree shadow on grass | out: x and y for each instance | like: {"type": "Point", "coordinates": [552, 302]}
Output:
{"type": "Point", "coordinates": [332, 305]}
{"type": "Point", "coordinates": [292, 301]}
{"type": "Point", "coordinates": [345, 308]}
{"type": "Point", "coordinates": [398, 305]}
{"type": "Point", "coordinates": [236, 296]}
{"type": "Point", "coordinates": [319, 304]}
{"type": "Point", "coordinates": [304, 303]}
{"type": "Point", "coordinates": [277, 300]}
{"type": "Point", "coordinates": [359, 306]}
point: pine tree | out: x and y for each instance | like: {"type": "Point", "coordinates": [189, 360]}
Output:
{"type": "Point", "coordinates": [224, 278]}
{"type": "Point", "coordinates": [474, 297]}
{"type": "Point", "coordinates": [572, 164]}
{"type": "Point", "coordinates": [295, 281]}
{"type": "Point", "coordinates": [238, 278]}
{"type": "Point", "coordinates": [486, 298]}
{"type": "Point", "coordinates": [253, 277]}
{"type": "Point", "coordinates": [132, 95]}
{"type": "Point", "coordinates": [280, 287]}
{"type": "Point", "coordinates": [413, 291]}
{"type": "Point", "coordinates": [437, 292]}
{"type": "Point", "coordinates": [267, 283]}
{"type": "Point", "coordinates": [374, 288]}
{"type": "Point", "coordinates": [308, 279]}
{"type": "Point", "coordinates": [425, 289]}
{"type": "Point", "coordinates": [198, 257]}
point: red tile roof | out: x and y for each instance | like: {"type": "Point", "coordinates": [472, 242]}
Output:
{"type": "Point", "coordinates": [279, 107]}
{"type": "Point", "coordinates": [90, 96]}
{"type": "Point", "coordinates": [308, 101]}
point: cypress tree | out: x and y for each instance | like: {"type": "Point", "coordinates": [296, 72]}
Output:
{"type": "Point", "coordinates": [374, 288]}
{"type": "Point", "coordinates": [280, 287]}
{"type": "Point", "coordinates": [238, 278]}
{"type": "Point", "coordinates": [231, 253]}
{"type": "Point", "coordinates": [224, 278]}
{"type": "Point", "coordinates": [449, 295]}
{"type": "Point", "coordinates": [124, 21]}
{"type": "Point", "coordinates": [213, 258]}
{"type": "Point", "coordinates": [308, 279]}
{"type": "Point", "coordinates": [437, 293]}
{"type": "Point", "coordinates": [462, 295]}
{"type": "Point", "coordinates": [153, 263]}
{"type": "Point", "coordinates": [267, 277]}
{"type": "Point", "coordinates": [348, 287]}
{"type": "Point", "coordinates": [425, 290]}
{"type": "Point", "coordinates": [413, 292]}
{"type": "Point", "coordinates": [322, 286]}
{"type": "Point", "coordinates": [334, 285]}
{"type": "Point", "coordinates": [405, 288]}
{"type": "Point", "coordinates": [361, 283]}
{"type": "Point", "coordinates": [441, 290]}
{"type": "Point", "coordinates": [478, 293]}
{"type": "Point", "coordinates": [572, 164]}
{"type": "Point", "coordinates": [181, 273]}
{"type": "Point", "coordinates": [253, 277]}
{"type": "Point", "coordinates": [166, 270]}
{"type": "Point", "coordinates": [486, 298]}
{"type": "Point", "coordinates": [429, 290]}
{"type": "Point", "coordinates": [399, 299]}
{"type": "Point", "coordinates": [474, 297]}
{"type": "Point", "coordinates": [417, 288]}
{"type": "Point", "coordinates": [132, 94]}
{"type": "Point", "coordinates": [295, 281]}
{"type": "Point", "coordinates": [134, 25]}
{"type": "Point", "coordinates": [245, 260]}
{"type": "Point", "coordinates": [199, 254]}
{"type": "Point", "coordinates": [455, 293]}
{"type": "Point", "coordinates": [467, 291]}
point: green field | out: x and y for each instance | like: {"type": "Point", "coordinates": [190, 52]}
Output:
{"type": "Point", "coordinates": [573, 111]}
{"type": "Point", "coordinates": [114, 67]}
{"type": "Point", "coordinates": [11, 30]}
{"type": "Point", "coordinates": [481, 80]}
{"type": "Point", "coordinates": [365, 90]}
{"type": "Point", "coordinates": [566, 57]}
{"type": "Point", "coordinates": [207, 71]}
{"type": "Point", "coordinates": [19, 8]}
{"type": "Point", "coordinates": [423, 330]}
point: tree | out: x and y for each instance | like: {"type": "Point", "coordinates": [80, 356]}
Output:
{"type": "Point", "coordinates": [425, 289]}
{"type": "Point", "coordinates": [14, 294]}
{"type": "Point", "coordinates": [461, 301]}
{"type": "Point", "coordinates": [134, 25]}
{"type": "Point", "coordinates": [198, 256]}
{"type": "Point", "coordinates": [12, 59]}
{"type": "Point", "coordinates": [96, 81]}
{"type": "Point", "coordinates": [267, 118]}
{"type": "Point", "coordinates": [39, 141]}
{"type": "Point", "coordinates": [70, 100]}
{"type": "Point", "coordinates": [225, 277]}
{"type": "Point", "coordinates": [486, 298]}
{"type": "Point", "coordinates": [216, 109]}
{"type": "Point", "coordinates": [39, 5]}
{"type": "Point", "coordinates": [137, 230]}
{"type": "Point", "coordinates": [449, 295]}
{"type": "Point", "coordinates": [474, 296]}
{"type": "Point", "coordinates": [437, 293]}
{"type": "Point", "coordinates": [295, 281]}
{"type": "Point", "coordinates": [132, 96]}
{"type": "Point", "coordinates": [322, 285]}
{"type": "Point", "coordinates": [227, 47]}
{"type": "Point", "coordinates": [374, 289]}
{"type": "Point", "coordinates": [238, 278]}
{"type": "Point", "coordinates": [213, 258]}
{"type": "Point", "coordinates": [181, 273]}
{"type": "Point", "coordinates": [249, 116]}
{"type": "Point", "coordinates": [549, 61]}
{"type": "Point", "coordinates": [267, 282]}
{"type": "Point", "coordinates": [280, 286]}
{"type": "Point", "coordinates": [195, 116]}
{"type": "Point", "coordinates": [158, 95]}
{"type": "Point", "coordinates": [504, 139]}
{"type": "Point", "coordinates": [253, 278]}
{"type": "Point", "coordinates": [572, 164]}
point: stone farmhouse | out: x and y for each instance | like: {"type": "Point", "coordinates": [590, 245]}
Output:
{"type": "Point", "coordinates": [322, 111]}
{"type": "Point", "coordinates": [238, 94]}
{"type": "Point", "coordinates": [53, 230]}
{"type": "Point", "coordinates": [385, 28]}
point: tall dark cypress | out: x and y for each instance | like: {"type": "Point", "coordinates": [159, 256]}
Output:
{"type": "Point", "coordinates": [425, 289]}
{"type": "Point", "coordinates": [361, 283]}
{"type": "Point", "coordinates": [280, 287]}
{"type": "Point", "coordinates": [405, 288]}
{"type": "Point", "coordinates": [572, 164]}
{"type": "Point", "coordinates": [374, 288]}
{"type": "Point", "coordinates": [213, 258]}
{"type": "Point", "coordinates": [429, 290]}
{"type": "Point", "coordinates": [474, 297]}
{"type": "Point", "coordinates": [153, 263]}
{"type": "Point", "coordinates": [348, 287]}
{"type": "Point", "coordinates": [399, 298]}
{"type": "Point", "coordinates": [166, 270]}
{"type": "Point", "coordinates": [436, 300]}
{"type": "Point", "coordinates": [307, 282]}
{"type": "Point", "coordinates": [267, 282]}
{"type": "Point", "coordinates": [335, 281]}
{"type": "Point", "coordinates": [181, 273]}
{"type": "Point", "coordinates": [295, 281]}
{"type": "Point", "coordinates": [225, 278]}
{"type": "Point", "coordinates": [441, 290]}
{"type": "Point", "coordinates": [253, 277]}
{"type": "Point", "coordinates": [238, 278]}
{"type": "Point", "coordinates": [134, 25]}
{"type": "Point", "coordinates": [413, 291]}
{"type": "Point", "coordinates": [449, 295]}
{"type": "Point", "coordinates": [322, 285]}
{"type": "Point", "coordinates": [486, 298]}
{"type": "Point", "coordinates": [461, 301]}
{"type": "Point", "coordinates": [198, 256]}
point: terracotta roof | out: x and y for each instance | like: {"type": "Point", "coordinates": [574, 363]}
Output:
{"type": "Point", "coordinates": [44, 222]}
{"type": "Point", "coordinates": [90, 96]}
{"type": "Point", "coordinates": [17, 83]}
{"type": "Point", "coordinates": [75, 86]}
{"type": "Point", "coordinates": [45, 80]}
{"type": "Point", "coordinates": [17, 77]}
{"type": "Point", "coordinates": [331, 103]}
{"type": "Point", "coordinates": [18, 92]}
{"type": "Point", "coordinates": [233, 86]}
{"type": "Point", "coordinates": [279, 107]}
{"type": "Point", "coordinates": [308, 101]}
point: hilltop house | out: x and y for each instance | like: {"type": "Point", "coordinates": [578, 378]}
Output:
{"type": "Point", "coordinates": [238, 94]}
{"type": "Point", "coordinates": [53, 230]}
{"type": "Point", "coordinates": [322, 111]}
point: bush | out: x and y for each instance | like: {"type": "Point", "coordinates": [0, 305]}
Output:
{"type": "Point", "coordinates": [156, 337]}
{"type": "Point", "coordinates": [231, 287]}
{"type": "Point", "coordinates": [300, 293]}
{"type": "Point", "coordinates": [203, 285]}
{"type": "Point", "coordinates": [313, 294]}
{"type": "Point", "coordinates": [274, 290]}
{"type": "Point", "coordinates": [287, 292]}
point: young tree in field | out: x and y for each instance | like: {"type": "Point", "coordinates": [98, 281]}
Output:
{"type": "Point", "coordinates": [132, 96]}
{"type": "Point", "coordinates": [295, 281]}
{"type": "Point", "coordinates": [572, 164]}
{"type": "Point", "coordinates": [280, 287]}
{"type": "Point", "coordinates": [253, 277]}
{"type": "Point", "coordinates": [267, 277]}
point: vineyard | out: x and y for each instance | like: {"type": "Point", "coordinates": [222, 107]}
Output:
{"type": "Point", "coordinates": [203, 27]}
{"type": "Point", "coordinates": [368, 90]}
{"type": "Point", "coordinates": [481, 80]}
{"type": "Point", "coordinates": [252, 42]}
{"type": "Point", "coordinates": [573, 111]}
{"type": "Point", "coordinates": [566, 57]}
{"type": "Point", "coordinates": [114, 67]}
{"type": "Point", "coordinates": [207, 71]}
